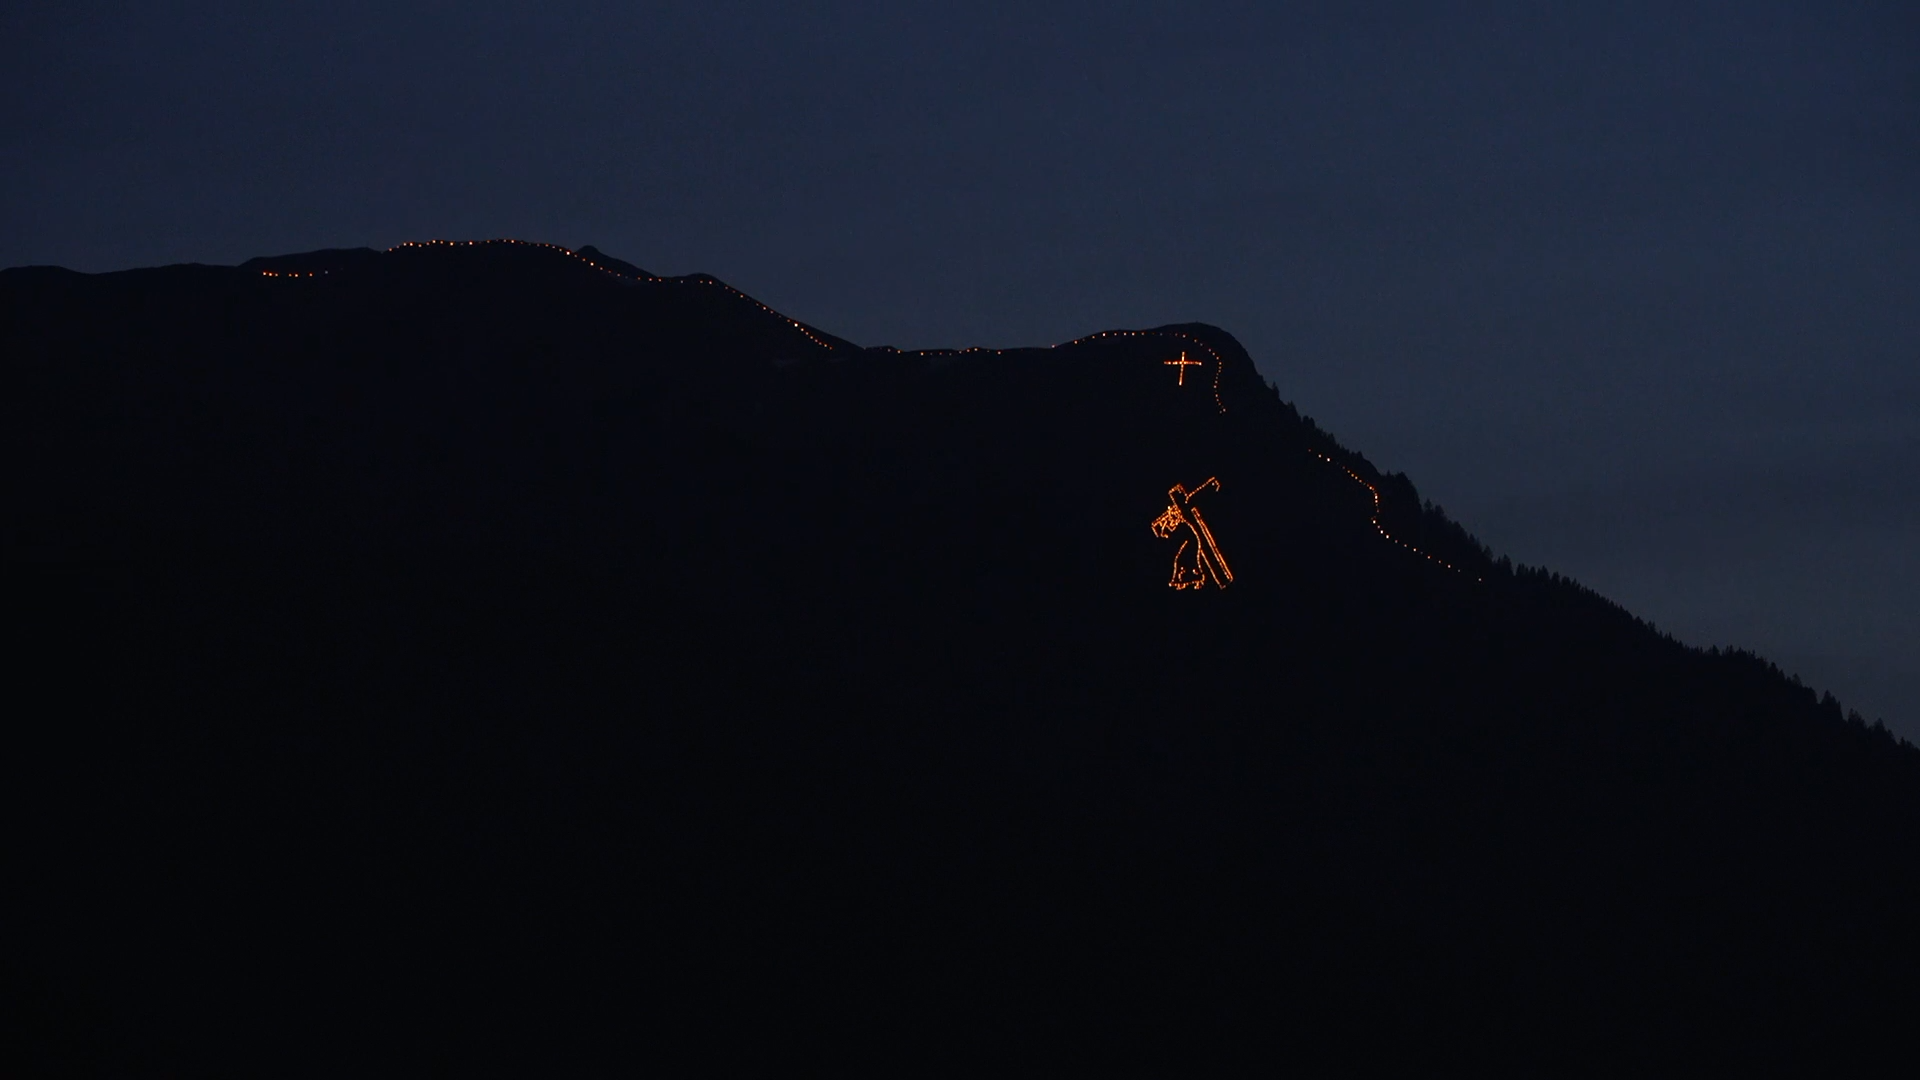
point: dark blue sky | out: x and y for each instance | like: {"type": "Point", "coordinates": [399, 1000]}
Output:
{"type": "Point", "coordinates": [1632, 289]}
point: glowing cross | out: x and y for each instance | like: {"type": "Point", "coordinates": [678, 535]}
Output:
{"type": "Point", "coordinates": [1181, 365]}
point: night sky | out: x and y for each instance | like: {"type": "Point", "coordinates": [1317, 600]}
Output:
{"type": "Point", "coordinates": [1632, 290]}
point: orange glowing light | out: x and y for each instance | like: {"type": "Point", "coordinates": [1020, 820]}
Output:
{"type": "Point", "coordinates": [1380, 528]}
{"type": "Point", "coordinates": [654, 278]}
{"type": "Point", "coordinates": [1181, 365]}
{"type": "Point", "coordinates": [1199, 560]}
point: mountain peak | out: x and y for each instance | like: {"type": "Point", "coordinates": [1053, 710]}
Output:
{"type": "Point", "coordinates": [501, 616]}
{"type": "Point", "coordinates": [601, 258]}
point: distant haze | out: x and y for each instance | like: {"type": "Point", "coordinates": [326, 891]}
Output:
{"type": "Point", "coordinates": [1632, 289]}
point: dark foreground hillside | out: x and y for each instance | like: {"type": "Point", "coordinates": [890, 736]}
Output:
{"type": "Point", "coordinates": [485, 657]}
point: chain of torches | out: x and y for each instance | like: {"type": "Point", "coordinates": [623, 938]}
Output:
{"type": "Point", "coordinates": [571, 254]}
{"type": "Point", "coordinates": [1221, 576]}
{"type": "Point", "coordinates": [1379, 528]}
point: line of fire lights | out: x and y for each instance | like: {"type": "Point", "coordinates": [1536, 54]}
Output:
{"type": "Point", "coordinates": [1379, 528]}
{"type": "Point", "coordinates": [1219, 362]}
{"type": "Point", "coordinates": [570, 253]}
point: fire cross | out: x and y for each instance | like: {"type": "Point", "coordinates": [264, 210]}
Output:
{"type": "Point", "coordinates": [1198, 560]}
{"type": "Point", "coordinates": [1181, 365]}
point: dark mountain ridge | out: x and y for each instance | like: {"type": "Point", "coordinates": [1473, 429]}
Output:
{"type": "Point", "coordinates": [470, 650]}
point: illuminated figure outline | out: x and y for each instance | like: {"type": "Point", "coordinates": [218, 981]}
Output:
{"type": "Point", "coordinates": [1199, 559]}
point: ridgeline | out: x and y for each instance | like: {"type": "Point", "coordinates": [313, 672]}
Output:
{"type": "Point", "coordinates": [493, 654]}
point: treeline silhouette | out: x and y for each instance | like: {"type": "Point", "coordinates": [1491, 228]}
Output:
{"type": "Point", "coordinates": [466, 657]}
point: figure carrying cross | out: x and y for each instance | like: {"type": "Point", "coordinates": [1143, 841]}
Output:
{"type": "Point", "coordinates": [1198, 560]}
{"type": "Point", "coordinates": [1181, 365]}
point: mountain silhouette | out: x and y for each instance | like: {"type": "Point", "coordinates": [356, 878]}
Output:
{"type": "Point", "coordinates": [494, 655]}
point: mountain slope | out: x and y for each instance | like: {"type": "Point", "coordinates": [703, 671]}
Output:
{"type": "Point", "coordinates": [460, 651]}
